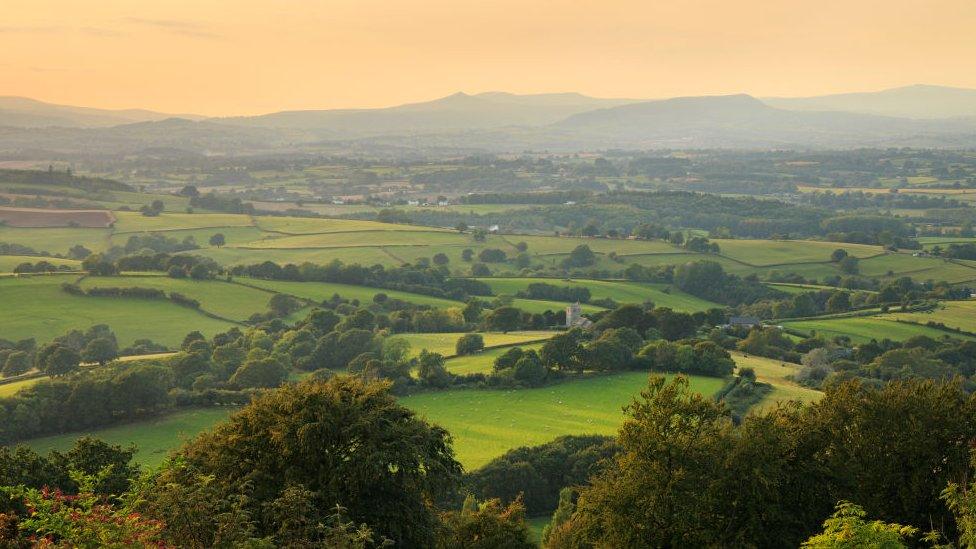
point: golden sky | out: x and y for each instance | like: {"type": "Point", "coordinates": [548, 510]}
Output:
{"type": "Point", "coordinates": [223, 57]}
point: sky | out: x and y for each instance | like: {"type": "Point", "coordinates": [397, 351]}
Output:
{"type": "Point", "coordinates": [227, 57]}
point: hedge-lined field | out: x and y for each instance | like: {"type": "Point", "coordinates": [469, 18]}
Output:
{"type": "Point", "coordinates": [37, 307]}
{"type": "Point", "coordinates": [321, 291]}
{"type": "Point", "coordinates": [9, 262]}
{"type": "Point", "coordinates": [862, 329]}
{"type": "Point", "coordinates": [445, 343]}
{"type": "Point", "coordinates": [225, 299]}
{"type": "Point", "coordinates": [154, 439]}
{"type": "Point", "coordinates": [487, 423]}
{"type": "Point", "coordinates": [954, 314]}
{"type": "Point", "coordinates": [661, 295]}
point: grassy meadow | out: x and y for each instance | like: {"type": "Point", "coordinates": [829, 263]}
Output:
{"type": "Point", "coordinates": [37, 307]}
{"type": "Point", "coordinates": [481, 363]}
{"type": "Point", "coordinates": [445, 343]}
{"type": "Point", "coordinates": [321, 291]}
{"type": "Point", "coordinates": [776, 373]}
{"type": "Point", "coordinates": [954, 314]}
{"type": "Point", "coordinates": [154, 439]}
{"type": "Point", "coordinates": [866, 328]}
{"type": "Point", "coordinates": [662, 295]}
{"type": "Point", "coordinates": [225, 299]}
{"type": "Point", "coordinates": [487, 423]}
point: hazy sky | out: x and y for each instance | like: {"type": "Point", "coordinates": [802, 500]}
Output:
{"type": "Point", "coordinates": [251, 56]}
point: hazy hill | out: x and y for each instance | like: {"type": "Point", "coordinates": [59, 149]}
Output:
{"type": "Point", "coordinates": [502, 122]}
{"type": "Point", "coordinates": [454, 112]}
{"type": "Point", "coordinates": [744, 121]}
{"type": "Point", "coordinates": [919, 101]}
{"type": "Point", "coordinates": [22, 112]}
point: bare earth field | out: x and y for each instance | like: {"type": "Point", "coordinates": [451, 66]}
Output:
{"type": "Point", "coordinates": [38, 217]}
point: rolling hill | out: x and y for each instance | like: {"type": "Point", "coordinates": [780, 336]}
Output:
{"type": "Point", "coordinates": [918, 101]}
{"type": "Point", "coordinates": [459, 111]}
{"type": "Point", "coordinates": [504, 122]}
{"type": "Point", "coordinates": [23, 112]}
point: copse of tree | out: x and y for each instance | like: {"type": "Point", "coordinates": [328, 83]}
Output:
{"type": "Point", "coordinates": [469, 343]}
{"type": "Point", "coordinates": [100, 350]}
{"type": "Point", "coordinates": [16, 363]}
{"type": "Point", "coordinates": [217, 239]}
{"type": "Point", "coordinates": [581, 256]}
{"type": "Point", "coordinates": [708, 280]}
{"type": "Point", "coordinates": [152, 209]}
{"type": "Point", "coordinates": [410, 278]}
{"type": "Point", "coordinates": [492, 255]}
{"type": "Point", "coordinates": [342, 439]}
{"type": "Point", "coordinates": [538, 473]}
{"type": "Point", "coordinates": [98, 265]}
{"type": "Point", "coordinates": [551, 292]}
{"type": "Point", "coordinates": [703, 358]}
{"type": "Point", "coordinates": [503, 319]}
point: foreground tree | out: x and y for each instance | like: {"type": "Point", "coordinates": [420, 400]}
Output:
{"type": "Point", "coordinates": [685, 477]}
{"type": "Point", "coordinates": [486, 526]}
{"type": "Point", "coordinates": [847, 528]}
{"type": "Point", "coordinates": [340, 441]}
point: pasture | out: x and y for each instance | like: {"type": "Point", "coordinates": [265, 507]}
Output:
{"type": "Point", "coordinates": [37, 307]}
{"type": "Point", "coordinates": [322, 291]}
{"type": "Point", "coordinates": [487, 423]}
{"type": "Point", "coordinates": [444, 343]}
{"type": "Point", "coordinates": [10, 389]}
{"type": "Point", "coordinates": [866, 328]}
{"type": "Point", "coordinates": [954, 314]}
{"type": "Point", "coordinates": [776, 373]}
{"type": "Point", "coordinates": [225, 299]}
{"type": "Point", "coordinates": [482, 363]}
{"type": "Point", "coordinates": [662, 295]}
{"type": "Point", "coordinates": [785, 252]}
{"type": "Point", "coordinates": [154, 439]}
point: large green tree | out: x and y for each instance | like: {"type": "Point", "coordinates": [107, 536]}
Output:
{"type": "Point", "coordinates": [343, 441]}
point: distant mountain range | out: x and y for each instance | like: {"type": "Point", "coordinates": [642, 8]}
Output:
{"type": "Point", "coordinates": [454, 112]}
{"type": "Point", "coordinates": [922, 116]}
{"type": "Point", "coordinates": [21, 112]}
{"type": "Point", "coordinates": [919, 101]}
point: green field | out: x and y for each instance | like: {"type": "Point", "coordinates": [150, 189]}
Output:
{"type": "Point", "coordinates": [311, 225]}
{"type": "Point", "coordinates": [540, 306]}
{"type": "Point", "coordinates": [132, 222]}
{"type": "Point", "coordinates": [863, 329]}
{"type": "Point", "coordinates": [228, 300]}
{"type": "Point", "coordinates": [321, 291]}
{"type": "Point", "coordinates": [661, 295]}
{"type": "Point", "coordinates": [154, 438]}
{"type": "Point", "coordinates": [9, 389]}
{"type": "Point", "coordinates": [776, 372]}
{"type": "Point", "coordinates": [481, 363]}
{"type": "Point", "coordinates": [487, 423]}
{"type": "Point", "coordinates": [444, 343]}
{"type": "Point", "coordinates": [779, 252]}
{"type": "Point", "coordinates": [954, 314]}
{"type": "Point", "coordinates": [56, 240]}
{"type": "Point", "coordinates": [37, 307]}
